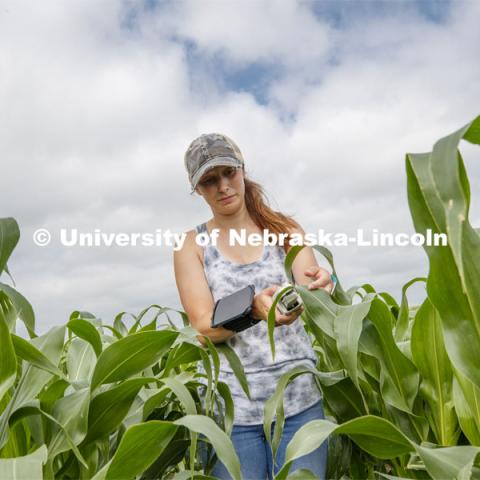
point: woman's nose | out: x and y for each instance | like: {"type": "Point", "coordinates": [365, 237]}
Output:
{"type": "Point", "coordinates": [224, 183]}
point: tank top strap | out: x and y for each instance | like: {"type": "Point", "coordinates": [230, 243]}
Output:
{"type": "Point", "coordinates": [207, 249]}
{"type": "Point", "coordinates": [201, 228]}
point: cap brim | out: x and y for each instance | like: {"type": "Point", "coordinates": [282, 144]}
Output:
{"type": "Point", "coordinates": [214, 162]}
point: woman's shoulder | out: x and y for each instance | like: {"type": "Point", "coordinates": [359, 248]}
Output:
{"type": "Point", "coordinates": [190, 245]}
{"type": "Point", "coordinates": [190, 236]}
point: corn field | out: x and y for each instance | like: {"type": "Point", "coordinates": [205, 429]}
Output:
{"type": "Point", "coordinates": [401, 384]}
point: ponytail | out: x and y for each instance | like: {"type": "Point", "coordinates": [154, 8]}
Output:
{"type": "Point", "coordinates": [265, 218]}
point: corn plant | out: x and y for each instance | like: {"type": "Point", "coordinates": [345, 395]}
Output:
{"type": "Point", "coordinates": [401, 385]}
{"type": "Point", "coordinates": [89, 400]}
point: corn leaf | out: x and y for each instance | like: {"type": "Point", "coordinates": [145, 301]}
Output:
{"type": "Point", "coordinates": [23, 468]}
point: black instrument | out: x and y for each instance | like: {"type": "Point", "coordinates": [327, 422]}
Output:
{"type": "Point", "coordinates": [233, 312]}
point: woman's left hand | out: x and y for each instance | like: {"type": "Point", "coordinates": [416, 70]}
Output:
{"type": "Point", "coordinates": [321, 278]}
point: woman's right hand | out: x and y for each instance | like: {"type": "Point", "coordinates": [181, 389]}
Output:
{"type": "Point", "coordinates": [262, 303]}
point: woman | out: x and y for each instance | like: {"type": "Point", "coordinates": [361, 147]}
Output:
{"type": "Point", "coordinates": [204, 275]}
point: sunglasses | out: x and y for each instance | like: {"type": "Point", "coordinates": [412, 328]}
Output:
{"type": "Point", "coordinates": [211, 180]}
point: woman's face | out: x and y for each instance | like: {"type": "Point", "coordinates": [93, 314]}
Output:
{"type": "Point", "coordinates": [222, 188]}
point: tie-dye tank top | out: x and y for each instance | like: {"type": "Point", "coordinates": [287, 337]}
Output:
{"type": "Point", "coordinates": [292, 343]}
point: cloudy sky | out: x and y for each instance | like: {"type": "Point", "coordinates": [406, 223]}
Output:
{"type": "Point", "coordinates": [99, 101]}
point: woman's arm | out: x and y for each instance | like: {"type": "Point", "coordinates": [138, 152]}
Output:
{"type": "Point", "coordinates": [306, 270]}
{"type": "Point", "coordinates": [195, 293]}
{"type": "Point", "coordinates": [197, 299]}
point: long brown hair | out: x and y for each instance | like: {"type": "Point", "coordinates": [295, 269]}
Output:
{"type": "Point", "coordinates": [263, 215]}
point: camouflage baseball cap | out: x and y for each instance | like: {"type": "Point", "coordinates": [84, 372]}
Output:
{"type": "Point", "coordinates": [210, 150]}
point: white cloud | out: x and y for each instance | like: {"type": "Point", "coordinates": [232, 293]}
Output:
{"type": "Point", "coordinates": [96, 117]}
{"type": "Point", "coordinates": [268, 31]}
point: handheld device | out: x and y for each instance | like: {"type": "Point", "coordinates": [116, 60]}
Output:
{"type": "Point", "coordinates": [289, 301]}
{"type": "Point", "coordinates": [233, 312]}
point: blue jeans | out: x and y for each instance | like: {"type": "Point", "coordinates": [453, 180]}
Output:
{"type": "Point", "coordinates": [255, 454]}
